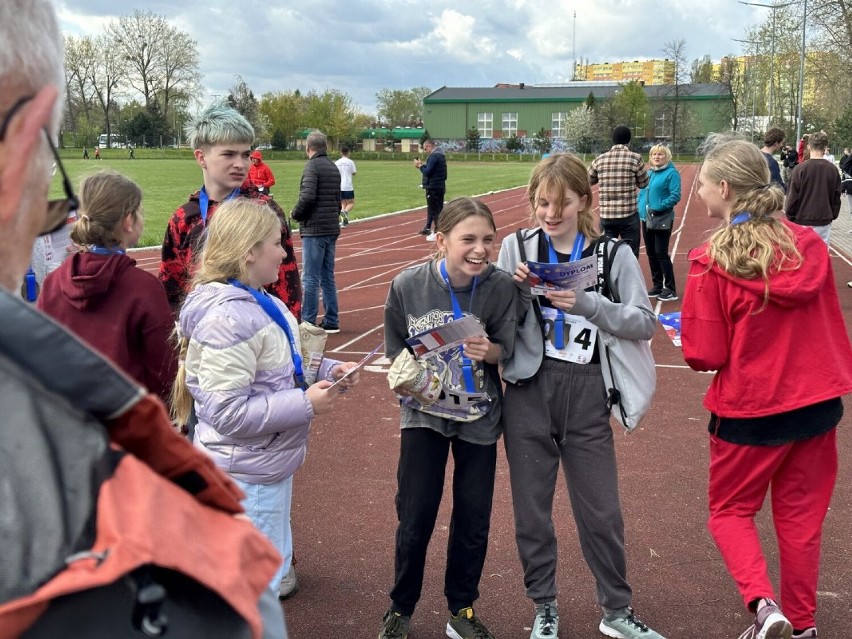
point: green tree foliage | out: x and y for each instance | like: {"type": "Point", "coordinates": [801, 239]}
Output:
{"type": "Point", "coordinates": [591, 103]}
{"type": "Point", "coordinates": [631, 106]}
{"type": "Point", "coordinates": [701, 71]}
{"type": "Point", "coordinates": [401, 107]}
{"type": "Point", "coordinates": [541, 141]}
{"type": "Point", "coordinates": [514, 143]}
{"type": "Point", "coordinates": [473, 139]}
{"type": "Point", "coordinates": [279, 141]}
{"type": "Point", "coordinates": [285, 111]}
{"type": "Point", "coordinates": [843, 128]}
{"type": "Point", "coordinates": [242, 98]}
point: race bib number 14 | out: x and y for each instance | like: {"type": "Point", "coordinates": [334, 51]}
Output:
{"type": "Point", "coordinates": [579, 337]}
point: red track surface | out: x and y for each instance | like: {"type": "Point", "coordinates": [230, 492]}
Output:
{"type": "Point", "coordinates": [343, 498]}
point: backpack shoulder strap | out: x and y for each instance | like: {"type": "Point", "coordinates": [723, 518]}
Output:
{"type": "Point", "coordinates": [606, 249]}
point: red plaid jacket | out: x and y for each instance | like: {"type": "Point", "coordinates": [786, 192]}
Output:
{"type": "Point", "coordinates": [181, 241]}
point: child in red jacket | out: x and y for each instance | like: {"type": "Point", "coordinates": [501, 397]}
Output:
{"type": "Point", "coordinates": [761, 309]}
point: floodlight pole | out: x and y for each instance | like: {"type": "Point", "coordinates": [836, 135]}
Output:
{"type": "Point", "coordinates": [774, 6]}
{"type": "Point", "coordinates": [801, 73]}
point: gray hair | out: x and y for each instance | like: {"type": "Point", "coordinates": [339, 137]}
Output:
{"type": "Point", "coordinates": [316, 141]}
{"type": "Point", "coordinates": [218, 124]}
{"type": "Point", "coordinates": [32, 54]}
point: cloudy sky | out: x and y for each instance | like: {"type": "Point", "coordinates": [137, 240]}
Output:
{"type": "Point", "coordinates": [362, 46]}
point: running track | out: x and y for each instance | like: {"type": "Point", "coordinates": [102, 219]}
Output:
{"type": "Point", "coordinates": [343, 501]}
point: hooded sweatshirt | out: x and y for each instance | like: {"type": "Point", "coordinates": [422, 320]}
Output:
{"type": "Point", "coordinates": [120, 310]}
{"type": "Point", "coordinates": [791, 353]}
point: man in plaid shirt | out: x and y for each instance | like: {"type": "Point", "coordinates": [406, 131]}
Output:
{"type": "Point", "coordinates": [620, 172]}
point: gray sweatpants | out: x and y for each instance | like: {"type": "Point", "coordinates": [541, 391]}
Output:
{"type": "Point", "coordinates": [562, 416]}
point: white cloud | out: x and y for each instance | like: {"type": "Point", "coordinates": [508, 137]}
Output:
{"type": "Point", "coordinates": [364, 46]}
{"type": "Point", "coordinates": [456, 32]}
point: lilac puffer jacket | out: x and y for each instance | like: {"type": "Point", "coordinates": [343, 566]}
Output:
{"type": "Point", "coordinates": [252, 420]}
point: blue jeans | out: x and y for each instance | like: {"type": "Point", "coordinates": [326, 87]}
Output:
{"type": "Point", "coordinates": [268, 507]}
{"type": "Point", "coordinates": [318, 272]}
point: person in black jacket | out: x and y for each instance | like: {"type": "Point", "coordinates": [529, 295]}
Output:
{"type": "Point", "coordinates": [789, 160]}
{"type": "Point", "coordinates": [846, 183]}
{"type": "Point", "coordinates": [316, 211]}
{"type": "Point", "coordinates": [434, 172]}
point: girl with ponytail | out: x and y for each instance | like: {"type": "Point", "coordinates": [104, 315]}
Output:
{"type": "Point", "coordinates": [761, 310]}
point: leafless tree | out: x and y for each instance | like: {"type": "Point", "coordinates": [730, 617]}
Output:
{"type": "Point", "coordinates": [162, 60]}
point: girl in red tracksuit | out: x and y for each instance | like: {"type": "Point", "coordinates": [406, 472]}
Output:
{"type": "Point", "coordinates": [761, 309]}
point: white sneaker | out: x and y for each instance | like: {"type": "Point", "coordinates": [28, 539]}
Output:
{"type": "Point", "coordinates": [431, 237]}
{"type": "Point", "coordinates": [289, 585]}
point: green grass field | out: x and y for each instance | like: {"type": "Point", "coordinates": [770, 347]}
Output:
{"type": "Point", "coordinates": [380, 186]}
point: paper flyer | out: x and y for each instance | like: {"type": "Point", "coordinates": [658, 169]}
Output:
{"type": "Point", "coordinates": [671, 322]}
{"type": "Point", "coordinates": [359, 365]}
{"type": "Point", "coordinates": [565, 276]}
{"type": "Point", "coordinates": [445, 336]}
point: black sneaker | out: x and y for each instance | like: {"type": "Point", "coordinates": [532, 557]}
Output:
{"type": "Point", "coordinates": [667, 295]}
{"type": "Point", "coordinates": [344, 219]}
{"type": "Point", "coordinates": [424, 232]}
{"type": "Point", "coordinates": [329, 329]}
{"type": "Point", "coordinates": [466, 625]}
{"type": "Point", "coordinates": [655, 292]}
{"type": "Point", "coordinates": [394, 626]}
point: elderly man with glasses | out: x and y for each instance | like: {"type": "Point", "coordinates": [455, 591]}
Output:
{"type": "Point", "coordinates": [99, 491]}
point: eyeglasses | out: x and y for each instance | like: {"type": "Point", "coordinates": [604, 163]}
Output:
{"type": "Point", "coordinates": [58, 211]}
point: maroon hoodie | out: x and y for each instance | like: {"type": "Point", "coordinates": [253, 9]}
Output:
{"type": "Point", "coordinates": [120, 310]}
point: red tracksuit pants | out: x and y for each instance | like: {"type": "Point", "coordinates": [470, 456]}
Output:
{"type": "Point", "coordinates": [802, 476]}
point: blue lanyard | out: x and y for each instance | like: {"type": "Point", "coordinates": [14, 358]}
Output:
{"type": "Point", "coordinates": [467, 365]}
{"type": "Point", "coordinates": [277, 316]}
{"type": "Point", "coordinates": [102, 250]}
{"type": "Point", "coordinates": [739, 218]}
{"type": "Point", "coordinates": [204, 202]}
{"type": "Point", "coordinates": [553, 258]}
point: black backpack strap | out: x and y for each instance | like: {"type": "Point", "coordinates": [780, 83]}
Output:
{"type": "Point", "coordinates": [605, 260]}
{"type": "Point", "coordinates": [523, 254]}
{"type": "Point", "coordinates": [606, 257]}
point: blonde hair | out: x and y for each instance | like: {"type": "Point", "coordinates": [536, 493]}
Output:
{"type": "Point", "coordinates": [561, 172]}
{"type": "Point", "coordinates": [661, 148]}
{"type": "Point", "coordinates": [237, 226]}
{"type": "Point", "coordinates": [762, 244]}
{"type": "Point", "coordinates": [106, 198]}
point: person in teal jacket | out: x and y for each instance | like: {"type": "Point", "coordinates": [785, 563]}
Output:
{"type": "Point", "coordinates": [660, 196]}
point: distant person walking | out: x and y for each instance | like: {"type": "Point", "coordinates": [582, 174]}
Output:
{"type": "Point", "coordinates": [789, 160]}
{"type": "Point", "coordinates": [620, 172]}
{"type": "Point", "coordinates": [813, 196]}
{"type": "Point", "coordinates": [97, 153]}
{"type": "Point", "coordinates": [802, 151]}
{"type": "Point", "coordinates": [85, 153]}
{"type": "Point", "coordinates": [772, 141]}
{"type": "Point", "coordinates": [434, 172]}
{"type": "Point", "coordinates": [260, 174]}
{"type": "Point", "coordinates": [347, 189]}
{"type": "Point", "coordinates": [317, 211]}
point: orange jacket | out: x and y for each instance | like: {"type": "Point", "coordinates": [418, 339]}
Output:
{"type": "Point", "coordinates": [261, 175]}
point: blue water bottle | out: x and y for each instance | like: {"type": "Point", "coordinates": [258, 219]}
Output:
{"type": "Point", "coordinates": [31, 285]}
